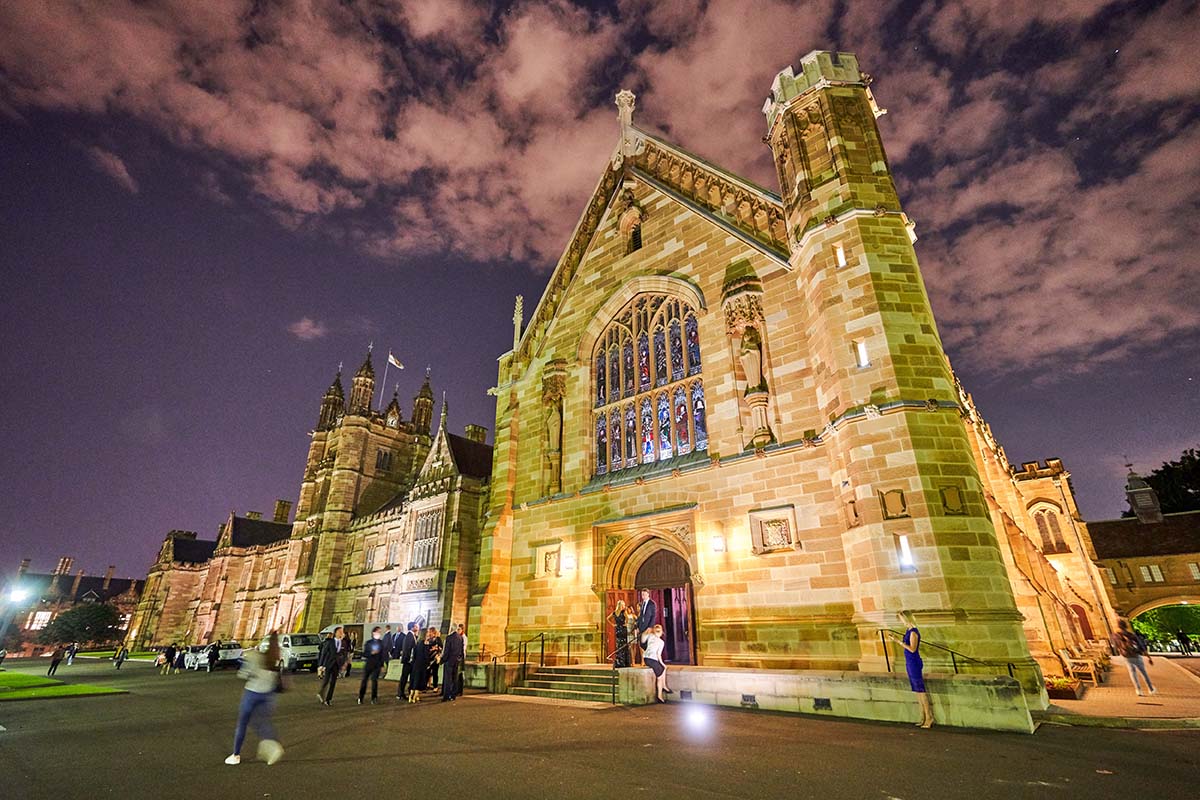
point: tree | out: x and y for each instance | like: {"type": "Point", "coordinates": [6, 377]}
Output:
{"type": "Point", "coordinates": [87, 622]}
{"type": "Point", "coordinates": [1161, 624]}
{"type": "Point", "coordinates": [1177, 483]}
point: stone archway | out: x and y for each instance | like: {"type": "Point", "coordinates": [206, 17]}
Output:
{"type": "Point", "coordinates": [661, 566]}
{"type": "Point", "coordinates": [1159, 602]}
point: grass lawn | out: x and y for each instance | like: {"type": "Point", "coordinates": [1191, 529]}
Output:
{"type": "Point", "coordinates": [18, 686]}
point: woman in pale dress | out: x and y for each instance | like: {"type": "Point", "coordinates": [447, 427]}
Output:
{"type": "Point", "coordinates": [652, 655]}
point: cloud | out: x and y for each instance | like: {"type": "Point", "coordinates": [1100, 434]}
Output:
{"type": "Point", "coordinates": [307, 329]}
{"type": "Point", "coordinates": [112, 165]}
{"type": "Point", "coordinates": [1051, 185]}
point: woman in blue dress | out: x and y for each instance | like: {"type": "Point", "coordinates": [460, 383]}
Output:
{"type": "Point", "coordinates": [911, 642]}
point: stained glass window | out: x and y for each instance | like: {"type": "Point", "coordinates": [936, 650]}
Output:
{"type": "Point", "coordinates": [653, 344]}
{"type": "Point", "coordinates": [676, 352]}
{"type": "Point", "coordinates": [601, 444]}
{"type": "Point", "coordinates": [631, 450]}
{"type": "Point", "coordinates": [647, 432]}
{"type": "Point", "coordinates": [699, 422]}
{"type": "Point", "coordinates": [643, 362]}
{"type": "Point", "coordinates": [601, 397]}
{"type": "Point", "coordinates": [614, 463]}
{"type": "Point", "coordinates": [682, 439]}
{"type": "Point", "coordinates": [691, 329]}
{"type": "Point", "coordinates": [660, 358]}
{"type": "Point", "coordinates": [627, 359]}
{"type": "Point", "coordinates": [664, 427]}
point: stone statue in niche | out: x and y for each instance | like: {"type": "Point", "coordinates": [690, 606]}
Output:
{"type": "Point", "coordinates": [750, 354]}
{"type": "Point", "coordinates": [553, 389]}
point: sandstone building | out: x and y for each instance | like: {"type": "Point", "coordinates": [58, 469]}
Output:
{"type": "Point", "coordinates": [386, 528]}
{"type": "Point", "coordinates": [738, 399]}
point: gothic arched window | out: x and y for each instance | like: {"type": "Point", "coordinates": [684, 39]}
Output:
{"type": "Point", "coordinates": [648, 394]}
{"type": "Point", "coordinates": [1050, 530]}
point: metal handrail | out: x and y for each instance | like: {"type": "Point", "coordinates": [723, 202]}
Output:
{"type": "Point", "coordinates": [954, 654]}
{"type": "Point", "coordinates": [613, 658]}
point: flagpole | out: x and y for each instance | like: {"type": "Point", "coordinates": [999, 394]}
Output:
{"type": "Point", "coordinates": [383, 385]}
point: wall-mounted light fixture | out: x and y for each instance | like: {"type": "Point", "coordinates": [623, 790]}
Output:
{"type": "Point", "coordinates": [718, 543]}
{"type": "Point", "coordinates": [568, 561]}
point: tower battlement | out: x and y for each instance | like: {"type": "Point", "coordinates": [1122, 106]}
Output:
{"type": "Point", "coordinates": [819, 67]}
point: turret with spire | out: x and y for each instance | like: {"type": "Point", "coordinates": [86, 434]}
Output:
{"type": "Point", "coordinates": [363, 387]}
{"type": "Point", "coordinates": [392, 415]}
{"type": "Point", "coordinates": [333, 404]}
{"type": "Point", "coordinates": [423, 407]}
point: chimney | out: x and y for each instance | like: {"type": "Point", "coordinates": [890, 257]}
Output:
{"type": "Point", "coordinates": [75, 585]}
{"type": "Point", "coordinates": [21, 570]}
{"type": "Point", "coordinates": [476, 433]}
{"type": "Point", "coordinates": [283, 510]}
{"type": "Point", "coordinates": [253, 515]}
{"type": "Point", "coordinates": [108, 573]}
{"type": "Point", "coordinates": [64, 565]}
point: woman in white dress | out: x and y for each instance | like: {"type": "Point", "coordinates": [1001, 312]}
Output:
{"type": "Point", "coordinates": [652, 647]}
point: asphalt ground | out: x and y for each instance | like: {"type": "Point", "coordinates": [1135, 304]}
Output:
{"type": "Point", "coordinates": [168, 737]}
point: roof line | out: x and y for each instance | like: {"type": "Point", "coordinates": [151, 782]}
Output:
{"type": "Point", "coordinates": [745, 182]}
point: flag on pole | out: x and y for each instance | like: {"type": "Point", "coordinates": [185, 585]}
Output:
{"type": "Point", "coordinates": [395, 362]}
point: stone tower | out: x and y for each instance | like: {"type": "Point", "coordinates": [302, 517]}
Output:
{"type": "Point", "coordinates": [333, 404]}
{"type": "Point", "coordinates": [882, 379]}
{"type": "Point", "coordinates": [422, 416]}
{"type": "Point", "coordinates": [363, 387]}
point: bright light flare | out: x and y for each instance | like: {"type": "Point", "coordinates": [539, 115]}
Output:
{"type": "Point", "coordinates": [18, 595]}
{"type": "Point", "coordinates": [699, 720]}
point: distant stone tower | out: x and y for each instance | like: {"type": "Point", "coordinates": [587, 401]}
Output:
{"type": "Point", "coordinates": [363, 387]}
{"type": "Point", "coordinates": [358, 460]}
{"type": "Point", "coordinates": [882, 379]}
{"type": "Point", "coordinates": [333, 404]}
{"type": "Point", "coordinates": [422, 417]}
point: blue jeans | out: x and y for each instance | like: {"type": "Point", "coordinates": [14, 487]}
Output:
{"type": "Point", "coordinates": [252, 702]}
{"type": "Point", "coordinates": [1136, 665]}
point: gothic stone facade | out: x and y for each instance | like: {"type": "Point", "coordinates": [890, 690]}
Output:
{"type": "Point", "coordinates": [386, 528]}
{"type": "Point", "coordinates": [740, 399]}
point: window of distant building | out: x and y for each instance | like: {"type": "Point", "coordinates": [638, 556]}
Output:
{"type": "Point", "coordinates": [392, 552]}
{"type": "Point", "coordinates": [425, 541]}
{"type": "Point", "coordinates": [1050, 530]}
{"type": "Point", "coordinates": [383, 460]}
{"type": "Point", "coordinates": [1151, 573]}
{"type": "Point", "coordinates": [369, 561]}
{"type": "Point", "coordinates": [39, 620]}
{"type": "Point", "coordinates": [1112, 576]}
{"type": "Point", "coordinates": [647, 391]}
{"type": "Point", "coordinates": [1194, 568]}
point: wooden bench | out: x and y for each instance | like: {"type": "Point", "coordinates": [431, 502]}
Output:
{"type": "Point", "coordinates": [1082, 668]}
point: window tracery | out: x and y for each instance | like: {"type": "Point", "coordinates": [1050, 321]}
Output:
{"type": "Point", "coordinates": [648, 394]}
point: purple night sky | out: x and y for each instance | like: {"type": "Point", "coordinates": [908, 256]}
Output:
{"type": "Point", "coordinates": [207, 206]}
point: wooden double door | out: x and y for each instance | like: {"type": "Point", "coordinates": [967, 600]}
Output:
{"type": "Point", "coordinates": [667, 577]}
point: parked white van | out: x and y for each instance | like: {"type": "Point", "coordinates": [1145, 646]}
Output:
{"type": "Point", "coordinates": [296, 650]}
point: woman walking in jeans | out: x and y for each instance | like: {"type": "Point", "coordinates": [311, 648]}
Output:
{"type": "Point", "coordinates": [1130, 646]}
{"type": "Point", "coordinates": [261, 673]}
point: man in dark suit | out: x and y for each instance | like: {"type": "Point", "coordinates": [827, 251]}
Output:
{"type": "Point", "coordinates": [453, 653]}
{"type": "Point", "coordinates": [329, 664]}
{"type": "Point", "coordinates": [646, 617]}
{"type": "Point", "coordinates": [374, 657]}
{"type": "Point", "coordinates": [407, 645]}
{"type": "Point", "coordinates": [388, 643]}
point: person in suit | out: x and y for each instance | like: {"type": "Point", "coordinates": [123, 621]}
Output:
{"type": "Point", "coordinates": [453, 654]}
{"type": "Point", "coordinates": [407, 645]}
{"type": "Point", "coordinates": [329, 664]}
{"type": "Point", "coordinates": [374, 657]}
{"type": "Point", "coordinates": [388, 643]}
{"type": "Point", "coordinates": [647, 614]}
{"type": "Point", "coordinates": [462, 631]}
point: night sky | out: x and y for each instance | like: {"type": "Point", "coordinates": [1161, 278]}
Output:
{"type": "Point", "coordinates": [206, 206]}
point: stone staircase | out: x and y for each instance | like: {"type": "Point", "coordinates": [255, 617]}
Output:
{"type": "Point", "coordinates": [591, 683]}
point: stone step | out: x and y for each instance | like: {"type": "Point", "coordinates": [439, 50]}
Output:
{"type": "Point", "coordinates": [604, 679]}
{"type": "Point", "coordinates": [539, 682]}
{"type": "Point", "coordinates": [563, 694]}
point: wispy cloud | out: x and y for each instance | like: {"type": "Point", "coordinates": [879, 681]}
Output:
{"type": "Point", "coordinates": [307, 329]}
{"type": "Point", "coordinates": [111, 164]}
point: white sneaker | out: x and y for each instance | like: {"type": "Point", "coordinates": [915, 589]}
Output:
{"type": "Point", "coordinates": [1139, 692]}
{"type": "Point", "coordinates": [270, 751]}
{"type": "Point", "coordinates": [1153, 690]}
{"type": "Point", "coordinates": [233, 760]}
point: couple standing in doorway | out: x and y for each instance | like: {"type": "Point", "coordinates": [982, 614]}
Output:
{"type": "Point", "coordinates": [649, 637]}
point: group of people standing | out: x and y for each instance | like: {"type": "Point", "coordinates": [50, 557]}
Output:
{"type": "Point", "coordinates": [648, 634]}
{"type": "Point", "coordinates": [421, 653]}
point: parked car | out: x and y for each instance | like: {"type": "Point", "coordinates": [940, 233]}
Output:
{"type": "Point", "coordinates": [196, 657]}
{"type": "Point", "coordinates": [297, 650]}
{"type": "Point", "coordinates": [230, 654]}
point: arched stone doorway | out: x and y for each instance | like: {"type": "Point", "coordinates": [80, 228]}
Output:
{"type": "Point", "coordinates": [1081, 620]}
{"type": "Point", "coordinates": [654, 563]}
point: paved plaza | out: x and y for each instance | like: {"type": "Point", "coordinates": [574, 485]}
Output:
{"type": "Point", "coordinates": [1177, 697]}
{"type": "Point", "coordinates": [167, 738]}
